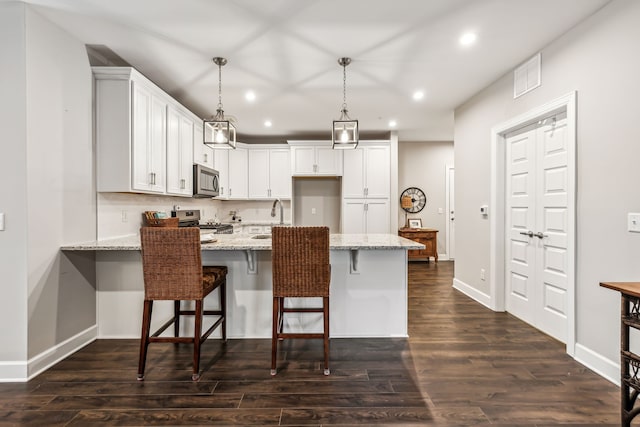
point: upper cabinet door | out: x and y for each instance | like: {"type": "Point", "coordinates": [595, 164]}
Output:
{"type": "Point", "coordinates": [238, 171]}
{"type": "Point", "coordinates": [280, 173]}
{"type": "Point", "coordinates": [179, 153]}
{"type": "Point", "coordinates": [149, 141]}
{"type": "Point", "coordinates": [303, 160]}
{"type": "Point", "coordinates": [328, 161]}
{"type": "Point", "coordinates": [259, 174]}
{"type": "Point", "coordinates": [221, 164]}
{"type": "Point", "coordinates": [202, 154]}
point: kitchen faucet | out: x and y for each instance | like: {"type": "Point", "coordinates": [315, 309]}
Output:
{"type": "Point", "coordinates": [273, 210]}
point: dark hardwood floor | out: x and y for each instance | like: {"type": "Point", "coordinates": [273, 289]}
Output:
{"type": "Point", "coordinates": [463, 365]}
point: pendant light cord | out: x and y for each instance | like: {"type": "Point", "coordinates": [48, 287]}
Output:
{"type": "Point", "coordinates": [219, 86]}
{"type": "Point", "coordinates": [344, 86]}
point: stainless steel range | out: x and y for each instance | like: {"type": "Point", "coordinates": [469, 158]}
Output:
{"type": "Point", "coordinates": [191, 218]}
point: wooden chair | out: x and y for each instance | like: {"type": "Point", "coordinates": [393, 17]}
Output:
{"type": "Point", "coordinates": [172, 266]}
{"type": "Point", "coordinates": [300, 264]}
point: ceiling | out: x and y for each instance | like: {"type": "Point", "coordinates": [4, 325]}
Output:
{"type": "Point", "coordinates": [286, 52]}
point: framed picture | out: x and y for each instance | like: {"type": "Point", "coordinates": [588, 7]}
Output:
{"type": "Point", "coordinates": [415, 223]}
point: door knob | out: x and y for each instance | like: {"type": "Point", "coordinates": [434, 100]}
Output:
{"type": "Point", "coordinates": [539, 235]}
{"type": "Point", "coordinates": [527, 233]}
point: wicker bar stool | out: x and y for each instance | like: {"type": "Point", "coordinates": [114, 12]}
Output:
{"type": "Point", "coordinates": [172, 266]}
{"type": "Point", "coordinates": [301, 269]}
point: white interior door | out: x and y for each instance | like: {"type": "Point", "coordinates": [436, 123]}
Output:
{"type": "Point", "coordinates": [537, 225]}
{"type": "Point", "coordinates": [451, 212]}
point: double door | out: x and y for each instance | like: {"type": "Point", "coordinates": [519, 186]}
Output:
{"type": "Point", "coordinates": [538, 250]}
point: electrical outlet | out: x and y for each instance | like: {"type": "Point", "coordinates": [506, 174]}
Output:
{"type": "Point", "coordinates": [2, 221]}
{"type": "Point", "coordinates": [124, 216]}
{"type": "Point", "coordinates": [482, 274]}
{"type": "Point", "coordinates": [633, 222]}
{"type": "Point", "coordinates": [313, 211]}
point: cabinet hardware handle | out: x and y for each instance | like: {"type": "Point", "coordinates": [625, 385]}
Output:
{"type": "Point", "coordinates": [527, 233]}
{"type": "Point", "coordinates": [153, 178]}
{"type": "Point", "coordinates": [540, 235]}
{"type": "Point", "coordinates": [182, 184]}
{"type": "Point", "coordinates": [229, 192]}
{"type": "Point", "coordinates": [205, 157]}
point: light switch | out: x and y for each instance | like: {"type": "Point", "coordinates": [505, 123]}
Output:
{"type": "Point", "coordinates": [633, 222]}
{"type": "Point", "coordinates": [1, 221]}
{"type": "Point", "coordinates": [313, 211]}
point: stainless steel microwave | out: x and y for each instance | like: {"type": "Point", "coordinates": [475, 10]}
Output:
{"type": "Point", "coordinates": [206, 182]}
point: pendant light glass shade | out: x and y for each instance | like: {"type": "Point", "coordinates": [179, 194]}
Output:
{"type": "Point", "coordinates": [344, 133]}
{"type": "Point", "coordinates": [219, 132]}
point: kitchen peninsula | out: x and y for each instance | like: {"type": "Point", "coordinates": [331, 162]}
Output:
{"type": "Point", "coordinates": [368, 286]}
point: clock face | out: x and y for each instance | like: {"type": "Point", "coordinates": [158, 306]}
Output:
{"type": "Point", "coordinates": [418, 200]}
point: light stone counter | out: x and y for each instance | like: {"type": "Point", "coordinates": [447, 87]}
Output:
{"type": "Point", "coordinates": [241, 241]}
{"type": "Point", "coordinates": [369, 295]}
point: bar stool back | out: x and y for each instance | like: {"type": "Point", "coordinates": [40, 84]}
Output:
{"type": "Point", "coordinates": [172, 267]}
{"type": "Point", "coordinates": [300, 265]}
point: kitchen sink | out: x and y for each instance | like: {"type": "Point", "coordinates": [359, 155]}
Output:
{"type": "Point", "coordinates": [261, 236]}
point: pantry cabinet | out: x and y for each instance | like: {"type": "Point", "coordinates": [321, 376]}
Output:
{"type": "Point", "coordinates": [269, 173]}
{"type": "Point", "coordinates": [362, 216]}
{"type": "Point", "coordinates": [366, 172]}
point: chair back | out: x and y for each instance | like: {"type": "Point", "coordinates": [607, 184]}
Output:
{"type": "Point", "coordinates": [300, 261]}
{"type": "Point", "coordinates": [171, 263]}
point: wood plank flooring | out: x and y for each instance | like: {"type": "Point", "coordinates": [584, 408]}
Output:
{"type": "Point", "coordinates": [463, 365]}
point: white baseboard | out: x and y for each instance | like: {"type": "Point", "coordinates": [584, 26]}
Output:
{"type": "Point", "coordinates": [13, 371]}
{"type": "Point", "coordinates": [21, 371]}
{"type": "Point", "coordinates": [472, 292]}
{"type": "Point", "coordinates": [602, 366]}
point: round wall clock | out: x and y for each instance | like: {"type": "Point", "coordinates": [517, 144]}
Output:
{"type": "Point", "coordinates": [413, 200]}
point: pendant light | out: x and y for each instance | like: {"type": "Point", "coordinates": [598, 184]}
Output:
{"type": "Point", "coordinates": [344, 133]}
{"type": "Point", "coordinates": [219, 132]}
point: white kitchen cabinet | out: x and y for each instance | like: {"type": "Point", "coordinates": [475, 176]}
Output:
{"type": "Point", "coordinates": [365, 216]}
{"type": "Point", "coordinates": [221, 164]}
{"type": "Point", "coordinates": [238, 174]}
{"type": "Point", "coordinates": [144, 137]}
{"type": "Point", "coordinates": [179, 153]}
{"type": "Point", "coordinates": [269, 173]}
{"type": "Point", "coordinates": [202, 154]}
{"type": "Point", "coordinates": [366, 172]}
{"type": "Point", "coordinates": [131, 119]}
{"type": "Point", "coordinates": [315, 160]}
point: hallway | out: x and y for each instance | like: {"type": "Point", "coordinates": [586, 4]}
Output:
{"type": "Point", "coordinates": [463, 365]}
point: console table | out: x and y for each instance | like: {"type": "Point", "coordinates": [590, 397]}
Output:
{"type": "Point", "coordinates": [629, 361]}
{"type": "Point", "coordinates": [427, 236]}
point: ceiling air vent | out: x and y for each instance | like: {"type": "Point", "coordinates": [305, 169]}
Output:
{"type": "Point", "coordinates": [526, 77]}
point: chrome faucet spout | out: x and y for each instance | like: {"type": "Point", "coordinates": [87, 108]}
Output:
{"type": "Point", "coordinates": [273, 210]}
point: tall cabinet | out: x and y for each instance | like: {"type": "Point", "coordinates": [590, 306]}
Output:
{"type": "Point", "coordinates": [366, 189]}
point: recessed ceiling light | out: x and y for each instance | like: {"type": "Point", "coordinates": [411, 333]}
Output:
{"type": "Point", "coordinates": [250, 96]}
{"type": "Point", "coordinates": [393, 123]}
{"type": "Point", "coordinates": [267, 123]}
{"type": "Point", "coordinates": [467, 39]}
{"type": "Point", "coordinates": [418, 95]}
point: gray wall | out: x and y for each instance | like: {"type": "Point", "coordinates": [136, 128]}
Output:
{"type": "Point", "coordinates": [321, 194]}
{"type": "Point", "coordinates": [13, 185]}
{"type": "Point", "coordinates": [423, 165]}
{"type": "Point", "coordinates": [46, 191]}
{"type": "Point", "coordinates": [599, 60]}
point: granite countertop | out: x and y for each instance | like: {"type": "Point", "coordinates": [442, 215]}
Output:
{"type": "Point", "coordinates": [242, 241]}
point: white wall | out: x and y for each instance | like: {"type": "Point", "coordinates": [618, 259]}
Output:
{"type": "Point", "coordinates": [322, 194]}
{"type": "Point", "coordinates": [598, 59]}
{"type": "Point", "coordinates": [13, 190]}
{"type": "Point", "coordinates": [423, 165]}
